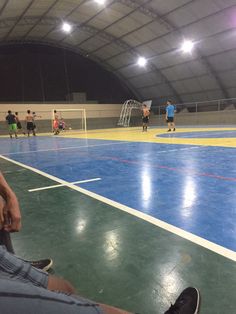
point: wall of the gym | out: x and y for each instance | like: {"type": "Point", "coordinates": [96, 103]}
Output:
{"type": "Point", "coordinates": [98, 115]}
{"type": "Point", "coordinates": [226, 117]}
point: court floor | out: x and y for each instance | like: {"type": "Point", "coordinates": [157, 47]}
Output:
{"type": "Point", "coordinates": [130, 217]}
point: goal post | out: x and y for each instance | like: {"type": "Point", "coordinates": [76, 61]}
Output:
{"type": "Point", "coordinates": [74, 119]}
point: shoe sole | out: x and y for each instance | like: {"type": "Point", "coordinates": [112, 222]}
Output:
{"type": "Point", "coordinates": [46, 268]}
{"type": "Point", "coordinates": [198, 302]}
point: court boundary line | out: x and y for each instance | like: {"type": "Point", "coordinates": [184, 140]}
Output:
{"type": "Point", "coordinates": [65, 148]}
{"type": "Point", "coordinates": [220, 250]}
{"type": "Point", "coordinates": [60, 185]}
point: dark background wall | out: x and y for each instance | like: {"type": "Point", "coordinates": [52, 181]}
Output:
{"type": "Point", "coordinates": [42, 73]}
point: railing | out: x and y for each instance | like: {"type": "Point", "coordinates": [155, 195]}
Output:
{"type": "Point", "coordinates": [200, 106]}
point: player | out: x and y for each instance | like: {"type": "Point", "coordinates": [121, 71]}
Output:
{"type": "Point", "coordinates": [18, 123]}
{"type": "Point", "coordinates": [61, 125]}
{"type": "Point", "coordinates": [11, 120]}
{"type": "Point", "coordinates": [56, 123]}
{"type": "Point", "coordinates": [145, 117]}
{"type": "Point", "coordinates": [170, 113]}
{"type": "Point", "coordinates": [30, 123]}
{"type": "Point", "coordinates": [35, 116]}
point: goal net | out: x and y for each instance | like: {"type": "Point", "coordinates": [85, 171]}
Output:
{"type": "Point", "coordinates": [70, 120]}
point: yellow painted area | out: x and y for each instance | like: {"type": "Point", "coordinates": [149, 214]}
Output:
{"type": "Point", "coordinates": [136, 135]}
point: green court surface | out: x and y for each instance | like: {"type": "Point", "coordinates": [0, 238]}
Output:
{"type": "Point", "coordinates": [112, 256]}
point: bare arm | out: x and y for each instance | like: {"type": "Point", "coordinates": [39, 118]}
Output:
{"type": "Point", "coordinates": [12, 219]}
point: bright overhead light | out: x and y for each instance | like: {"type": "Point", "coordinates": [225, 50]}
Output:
{"type": "Point", "coordinates": [187, 46]}
{"type": "Point", "coordinates": [66, 27]}
{"type": "Point", "coordinates": [100, 1]}
{"type": "Point", "coordinates": [142, 61]}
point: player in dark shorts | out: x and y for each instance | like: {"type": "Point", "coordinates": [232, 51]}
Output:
{"type": "Point", "coordinates": [170, 113]}
{"type": "Point", "coordinates": [11, 120]}
{"type": "Point", "coordinates": [30, 123]}
{"type": "Point", "coordinates": [18, 123]}
{"type": "Point", "coordinates": [145, 117]}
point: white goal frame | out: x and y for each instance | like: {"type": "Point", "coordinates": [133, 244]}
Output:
{"type": "Point", "coordinates": [84, 117]}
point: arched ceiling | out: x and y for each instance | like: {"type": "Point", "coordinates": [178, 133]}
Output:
{"type": "Point", "coordinates": [116, 33]}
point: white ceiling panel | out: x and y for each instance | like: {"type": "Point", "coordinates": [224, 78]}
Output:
{"type": "Point", "coordinates": [232, 92]}
{"type": "Point", "coordinates": [39, 7]}
{"type": "Point", "coordinates": [134, 71]}
{"type": "Point", "coordinates": [109, 51]}
{"type": "Point", "coordinates": [146, 80]}
{"type": "Point", "coordinates": [210, 26]}
{"type": "Point", "coordinates": [125, 59]}
{"type": "Point", "coordinates": [39, 31]}
{"type": "Point", "coordinates": [93, 44]}
{"type": "Point", "coordinates": [128, 24]}
{"type": "Point", "coordinates": [155, 91]}
{"type": "Point", "coordinates": [138, 37]}
{"type": "Point", "coordinates": [174, 58]}
{"type": "Point", "coordinates": [228, 78]}
{"type": "Point", "coordinates": [63, 8]}
{"type": "Point", "coordinates": [19, 32]}
{"type": "Point", "coordinates": [208, 82]}
{"type": "Point", "coordinates": [15, 8]}
{"type": "Point", "coordinates": [187, 86]}
{"type": "Point", "coordinates": [109, 16]}
{"type": "Point", "coordinates": [165, 6]}
{"type": "Point", "coordinates": [178, 72]}
{"type": "Point", "coordinates": [192, 12]}
{"type": "Point", "coordinates": [223, 61]}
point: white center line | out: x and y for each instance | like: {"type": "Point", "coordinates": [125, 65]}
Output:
{"type": "Point", "coordinates": [59, 185]}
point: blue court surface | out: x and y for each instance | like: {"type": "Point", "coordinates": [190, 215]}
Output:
{"type": "Point", "coordinates": [191, 187]}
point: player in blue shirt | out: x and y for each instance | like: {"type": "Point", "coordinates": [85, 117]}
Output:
{"type": "Point", "coordinates": [170, 113]}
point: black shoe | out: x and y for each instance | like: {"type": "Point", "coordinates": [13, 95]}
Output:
{"type": "Point", "coordinates": [169, 130]}
{"type": "Point", "coordinates": [44, 264]}
{"type": "Point", "coordinates": [174, 129]}
{"type": "Point", "coordinates": [187, 302]}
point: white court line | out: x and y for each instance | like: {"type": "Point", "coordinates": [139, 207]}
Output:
{"type": "Point", "coordinates": [59, 185]}
{"type": "Point", "coordinates": [95, 145]}
{"type": "Point", "coordinates": [157, 222]}
{"type": "Point", "coordinates": [64, 148]}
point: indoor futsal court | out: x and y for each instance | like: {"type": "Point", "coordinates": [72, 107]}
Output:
{"type": "Point", "coordinates": [131, 217]}
{"type": "Point", "coordinates": [118, 137]}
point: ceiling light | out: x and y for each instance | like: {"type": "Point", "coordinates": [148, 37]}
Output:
{"type": "Point", "coordinates": [142, 61]}
{"type": "Point", "coordinates": [66, 27]}
{"type": "Point", "coordinates": [100, 1]}
{"type": "Point", "coordinates": [187, 46]}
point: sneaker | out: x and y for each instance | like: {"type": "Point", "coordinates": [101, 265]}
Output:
{"type": "Point", "coordinates": [169, 130]}
{"type": "Point", "coordinates": [44, 264]}
{"type": "Point", "coordinates": [187, 302]}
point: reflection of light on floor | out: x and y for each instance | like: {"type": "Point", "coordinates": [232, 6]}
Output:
{"type": "Point", "coordinates": [81, 225]}
{"type": "Point", "coordinates": [111, 245]}
{"type": "Point", "coordinates": [171, 282]}
{"type": "Point", "coordinates": [189, 196]}
{"type": "Point", "coordinates": [146, 185]}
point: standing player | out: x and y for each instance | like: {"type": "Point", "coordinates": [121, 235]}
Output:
{"type": "Point", "coordinates": [11, 120]}
{"type": "Point", "coordinates": [145, 115]}
{"type": "Point", "coordinates": [35, 116]}
{"type": "Point", "coordinates": [56, 123]}
{"type": "Point", "coordinates": [30, 123]}
{"type": "Point", "coordinates": [18, 123]}
{"type": "Point", "coordinates": [170, 113]}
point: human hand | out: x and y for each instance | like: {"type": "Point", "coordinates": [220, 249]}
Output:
{"type": "Point", "coordinates": [2, 205]}
{"type": "Point", "coordinates": [11, 214]}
